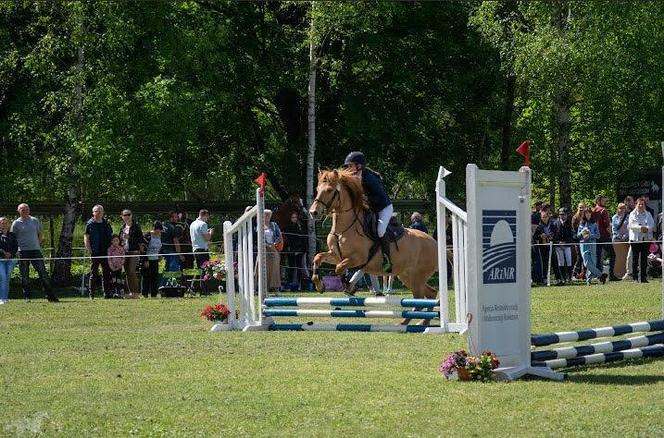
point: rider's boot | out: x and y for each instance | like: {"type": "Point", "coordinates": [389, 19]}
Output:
{"type": "Point", "coordinates": [387, 263]}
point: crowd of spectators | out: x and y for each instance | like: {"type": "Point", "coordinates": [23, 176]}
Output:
{"type": "Point", "coordinates": [576, 246]}
{"type": "Point", "coordinates": [113, 255]}
{"type": "Point", "coordinates": [566, 246]}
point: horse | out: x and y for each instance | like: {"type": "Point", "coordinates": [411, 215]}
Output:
{"type": "Point", "coordinates": [414, 257]}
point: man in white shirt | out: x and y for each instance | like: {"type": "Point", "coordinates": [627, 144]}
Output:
{"type": "Point", "coordinates": [200, 239]}
{"type": "Point", "coordinates": [641, 225]}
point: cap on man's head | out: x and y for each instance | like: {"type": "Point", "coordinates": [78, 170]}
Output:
{"type": "Point", "coordinates": [563, 210]}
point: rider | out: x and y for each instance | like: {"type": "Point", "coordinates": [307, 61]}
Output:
{"type": "Point", "coordinates": [379, 202]}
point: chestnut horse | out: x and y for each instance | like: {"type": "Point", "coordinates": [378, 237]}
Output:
{"type": "Point", "coordinates": [414, 258]}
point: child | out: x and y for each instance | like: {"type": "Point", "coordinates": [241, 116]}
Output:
{"type": "Point", "coordinates": [116, 262]}
{"type": "Point", "coordinates": [150, 263]}
{"type": "Point", "coordinates": [588, 233]}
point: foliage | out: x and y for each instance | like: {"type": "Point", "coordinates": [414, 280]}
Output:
{"type": "Point", "coordinates": [192, 99]}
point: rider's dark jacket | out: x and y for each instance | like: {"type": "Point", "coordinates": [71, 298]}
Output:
{"type": "Point", "coordinates": [373, 187]}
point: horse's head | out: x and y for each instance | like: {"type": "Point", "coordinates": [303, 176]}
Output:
{"type": "Point", "coordinates": [331, 190]}
{"type": "Point", "coordinates": [328, 193]}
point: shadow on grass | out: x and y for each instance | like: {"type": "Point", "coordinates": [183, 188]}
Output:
{"type": "Point", "coordinates": [614, 379]}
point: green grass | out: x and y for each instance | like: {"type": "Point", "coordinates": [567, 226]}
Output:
{"type": "Point", "coordinates": [152, 368]}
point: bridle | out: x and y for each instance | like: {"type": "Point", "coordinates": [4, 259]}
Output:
{"type": "Point", "coordinates": [328, 205]}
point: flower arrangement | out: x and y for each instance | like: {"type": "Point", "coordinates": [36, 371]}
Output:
{"type": "Point", "coordinates": [213, 269]}
{"type": "Point", "coordinates": [217, 313]}
{"type": "Point", "coordinates": [459, 365]}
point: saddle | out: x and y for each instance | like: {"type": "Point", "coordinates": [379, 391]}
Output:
{"type": "Point", "coordinates": [393, 233]}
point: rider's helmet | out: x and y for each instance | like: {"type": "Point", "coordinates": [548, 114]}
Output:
{"type": "Point", "coordinates": [356, 157]}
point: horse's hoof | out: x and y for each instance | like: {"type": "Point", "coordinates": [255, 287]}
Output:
{"type": "Point", "coordinates": [320, 287]}
{"type": "Point", "coordinates": [350, 290]}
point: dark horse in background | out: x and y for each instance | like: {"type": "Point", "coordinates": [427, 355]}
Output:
{"type": "Point", "coordinates": [293, 204]}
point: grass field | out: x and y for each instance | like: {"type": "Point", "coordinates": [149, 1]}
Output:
{"type": "Point", "coordinates": [152, 368]}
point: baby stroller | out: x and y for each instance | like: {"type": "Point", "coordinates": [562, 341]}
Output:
{"type": "Point", "coordinates": [654, 265]}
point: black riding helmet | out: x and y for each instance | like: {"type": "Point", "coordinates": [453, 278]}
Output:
{"type": "Point", "coordinates": [356, 157]}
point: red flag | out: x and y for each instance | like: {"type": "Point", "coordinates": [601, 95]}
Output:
{"type": "Point", "coordinates": [261, 180]}
{"type": "Point", "coordinates": [523, 150]}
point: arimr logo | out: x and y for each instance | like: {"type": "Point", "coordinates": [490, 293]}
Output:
{"type": "Point", "coordinates": [499, 246]}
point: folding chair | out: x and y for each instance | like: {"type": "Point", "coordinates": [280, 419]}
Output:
{"type": "Point", "coordinates": [191, 278]}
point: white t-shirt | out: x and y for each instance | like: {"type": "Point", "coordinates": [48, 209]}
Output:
{"type": "Point", "coordinates": [197, 230]}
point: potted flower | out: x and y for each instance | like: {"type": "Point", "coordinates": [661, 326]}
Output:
{"type": "Point", "coordinates": [218, 314]}
{"type": "Point", "coordinates": [459, 365]}
{"type": "Point", "coordinates": [214, 269]}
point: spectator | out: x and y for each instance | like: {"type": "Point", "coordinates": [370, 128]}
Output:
{"type": "Point", "coordinates": [543, 235]}
{"type": "Point", "coordinates": [272, 238]}
{"type": "Point", "coordinates": [150, 268]}
{"type": "Point", "coordinates": [28, 231]}
{"type": "Point", "coordinates": [563, 238]}
{"type": "Point", "coordinates": [629, 203]}
{"type": "Point", "coordinates": [296, 247]}
{"type": "Point", "coordinates": [588, 233]}
{"type": "Point", "coordinates": [416, 222]}
{"type": "Point", "coordinates": [116, 261]}
{"type": "Point", "coordinates": [170, 239]}
{"type": "Point", "coordinates": [187, 259]}
{"type": "Point", "coordinates": [646, 199]}
{"type": "Point", "coordinates": [8, 249]}
{"type": "Point", "coordinates": [97, 239]}
{"type": "Point", "coordinates": [578, 269]}
{"type": "Point", "coordinates": [200, 240]}
{"type": "Point", "coordinates": [620, 233]}
{"type": "Point", "coordinates": [604, 243]}
{"type": "Point", "coordinates": [535, 216]}
{"type": "Point", "coordinates": [641, 225]}
{"type": "Point", "coordinates": [131, 238]}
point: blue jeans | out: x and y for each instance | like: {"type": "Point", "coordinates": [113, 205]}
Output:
{"type": "Point", "coordinates": [590, 260]}
{"type": "Point", "coordinates": [6, 268]}
{"type": "Point", "coordinates": [172, 263]}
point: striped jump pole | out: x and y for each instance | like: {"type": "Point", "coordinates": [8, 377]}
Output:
{"type": "Point", "coordinates": [602, 347]}
{"type": "Point", "coordinates": [412, 314]}
{"type": "Point", "coordinates": [358, 302]}
{"type": "Point", "coordinates": [634, 353]}
{"type": "Point", "coordinates": [355, 328]}
{"type": "Point", "coordinates": [603, 332]}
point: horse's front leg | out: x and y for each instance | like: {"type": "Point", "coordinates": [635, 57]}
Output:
{"type": "Point", "coordinates": [321, 257]}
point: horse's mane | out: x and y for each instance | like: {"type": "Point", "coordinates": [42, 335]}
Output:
{"type": "Point", "coordinates": [350, 182]}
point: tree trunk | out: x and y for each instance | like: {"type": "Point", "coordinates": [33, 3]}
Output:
{"type": "Point", "coordinates": [61, 275]}
{"type": "Point", "coordinates": [508, 110]}
{"type": "Point", "coordinates": [62, 270]}
{"type": "Point", "coordinates": [562, 106]}
{"type": "Point", "coordinates": [311, 138]}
